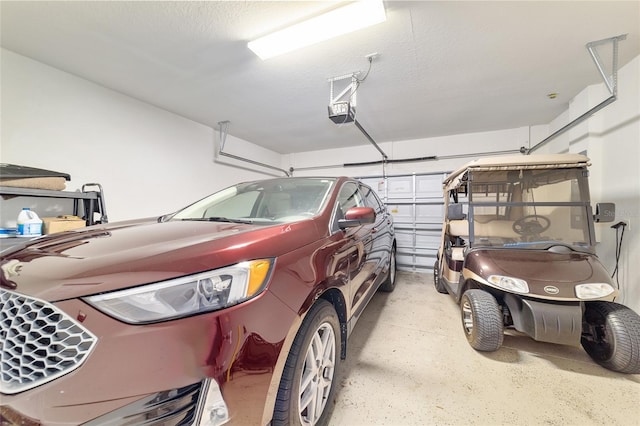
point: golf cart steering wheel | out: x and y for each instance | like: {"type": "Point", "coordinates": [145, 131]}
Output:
{"type": "Point", "coordinates": [530, 225]}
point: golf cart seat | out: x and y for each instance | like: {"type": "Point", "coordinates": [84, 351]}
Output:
{"type": "Point", "coordinates": [494, 228]}
{"type": "Point", "coordinates": [458, 232]}
{"type": "Point", "coordinates": [459, 228]}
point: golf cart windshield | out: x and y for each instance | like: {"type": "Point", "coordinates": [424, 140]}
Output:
{"type": "Point", "coordinates": [535, 208]}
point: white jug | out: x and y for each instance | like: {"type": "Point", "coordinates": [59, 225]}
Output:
{"type": "Point", "coordinates": [29, 224]}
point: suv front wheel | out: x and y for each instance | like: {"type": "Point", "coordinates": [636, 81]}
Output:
{"type": "Point", "coordinates": [307, 385]}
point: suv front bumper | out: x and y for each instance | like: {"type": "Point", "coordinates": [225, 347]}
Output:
{"type": "Point", "coordinates": [180, 368]}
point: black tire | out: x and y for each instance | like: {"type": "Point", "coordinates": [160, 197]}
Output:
{"type": "Point", "coordinates": [482, 320]}
{"type": "Point", "coordinates": [437, 279]}
{"type": "Point", "coordinates": [319, 340]}
{"type": "Point", "coordinates": [390, 283]}
{"type": "Point", "coordinates": [611, 336]}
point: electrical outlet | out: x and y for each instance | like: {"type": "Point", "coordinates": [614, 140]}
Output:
{"type": "Point", "coordinates": [371, 56]}
{"type": "Point", "coordinates": [624, 224]}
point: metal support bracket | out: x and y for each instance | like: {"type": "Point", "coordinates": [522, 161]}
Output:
{"type": "Point", "coordinates": [342, 108]}
{"type": "Point", "coordinates": [610, 81]}
{"type": "Point", "coordinates": [344, 111]}
{"type": "Point", "coordinates": [224, 130]}
{"type": "Point", "coordinates": [351, 88]}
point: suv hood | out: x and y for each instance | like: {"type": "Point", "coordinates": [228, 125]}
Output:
{"type": "Point", "coordinates": [108, 257]}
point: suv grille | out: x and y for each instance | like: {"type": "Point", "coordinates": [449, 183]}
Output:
{"type": "Point", "coordinates": [38, 342]}
{"type": "Point", "coordinates": [177, 407]}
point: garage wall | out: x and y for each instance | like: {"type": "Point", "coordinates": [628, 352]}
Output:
{"type": "Point", "coordinates": [149, 161]}
{"type": "Point", "coordinates": [611, 138]}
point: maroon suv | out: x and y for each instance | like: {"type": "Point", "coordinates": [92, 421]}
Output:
{"type": "Point", "coordinates": [236, 308]}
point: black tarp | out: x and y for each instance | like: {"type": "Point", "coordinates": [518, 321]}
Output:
{"type": "Point", "coordinates": [13, 171]}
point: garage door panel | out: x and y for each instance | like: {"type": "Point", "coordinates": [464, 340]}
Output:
{"type": "Point", "coordinates": [400, 187]}
{"type": "Point", "coordinates": [417, 239]}
{"type": "Point", "coordinates": [427, 240]}
{"type": "Point", "coordinates": [416, 262]}
{"type": "Point", "coordinates": [415, 201]}
{"type": "Point", "coordinates": [404, 239]}
{"type": "Point", "coordinates": [402, 213]}
{"type": "Point", "coordinates": [424, 261]}
{"type": "Point", "coordinates": [429, 213]}
{"type": "Point", "coordinates": [429, 186]}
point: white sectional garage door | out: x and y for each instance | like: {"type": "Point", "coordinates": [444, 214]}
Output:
{"type": "Point", "coordinates": [415, 201]}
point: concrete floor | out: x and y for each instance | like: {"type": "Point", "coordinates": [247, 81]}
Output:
{"type": "Point", "coordinates": [408, 363]}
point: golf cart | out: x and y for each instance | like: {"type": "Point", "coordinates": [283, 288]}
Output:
{"type": "Point", "coordinates": [518, 251]}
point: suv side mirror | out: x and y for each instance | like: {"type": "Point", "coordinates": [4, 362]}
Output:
{"type": "Point", "coordinates": [357, 216]}
{"type": "Point", "coordinates": [605, 212]}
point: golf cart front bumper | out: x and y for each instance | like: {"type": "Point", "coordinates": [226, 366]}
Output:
{"type": "Point", "coordinates": [547, 321]}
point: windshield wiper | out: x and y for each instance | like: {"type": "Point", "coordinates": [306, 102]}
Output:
{"type": "Point", "coordinates": [219, 219]}
{"type": "Point", "coordinates": [532, 243]}
{"type": "Point", "coordinates": [547, 244]}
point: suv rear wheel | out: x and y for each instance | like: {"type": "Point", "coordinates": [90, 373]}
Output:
{"type": "Point", "coordinates": [482, 320]}
{"type": "Point", "coordinates": [611, 336]}
{"type": "Point", "coordinates": [390, 283]}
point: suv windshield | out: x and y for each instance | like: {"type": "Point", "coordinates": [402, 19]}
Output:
{"type": "Point", "coordinates": [529, 208]}
{"type": "Point", "coordinates": [275, 200]}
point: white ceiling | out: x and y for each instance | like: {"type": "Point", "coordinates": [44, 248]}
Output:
{"type": "Point", "coordinates": [444, 67]}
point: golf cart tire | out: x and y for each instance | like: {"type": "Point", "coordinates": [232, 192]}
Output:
{"type": "Point", "coordinates": [482, 320]}
{"type": "Point", "coordinates": [613, 337]}
{"type": "Point", "coordinates": [437, 279]}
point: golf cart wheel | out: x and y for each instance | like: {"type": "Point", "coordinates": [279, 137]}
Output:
{"type": "Point", "coordinates": [390, 283]}
{"type": "Point", "coordinates": [482, 320]}
{"type": "Point", "coordinates": [611, 336]}
{"type": "Point", "coordinates": [437, 279]}
{"type": "Point", "coordinates": [307, 385]}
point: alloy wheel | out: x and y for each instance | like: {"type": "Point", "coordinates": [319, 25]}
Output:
{"type": "Point", "coordinates": [317, 374]}
{"type": "Point", "coordinates": [467, 317]}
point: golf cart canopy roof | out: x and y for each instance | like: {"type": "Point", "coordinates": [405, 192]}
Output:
{"type": "Point", "coordinates": [515, 162]}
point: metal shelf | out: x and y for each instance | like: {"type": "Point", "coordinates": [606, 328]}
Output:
{"type": "Point", "coordinates": [92, 202]}
{"type": "Point", "coordinates": [48, 193]}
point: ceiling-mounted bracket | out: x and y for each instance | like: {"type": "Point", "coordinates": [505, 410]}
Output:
{"type": "Point", "coordinates": [342, 109]}
{"type": "Point", "coordinates": [223, 128]}
{"type": "Point", "coordinates": [610, 81]}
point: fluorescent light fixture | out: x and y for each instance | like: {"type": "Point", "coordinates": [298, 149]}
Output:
{"type": "Point", "coordinates": [346, 19]}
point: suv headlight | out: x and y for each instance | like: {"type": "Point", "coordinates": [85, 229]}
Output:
{"type": "Point", "coordinates": [509, 283]}
{"type": "Point", "coordinates": [185, 296]}
{"type": "Point", "coordinates": [593, 290]}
